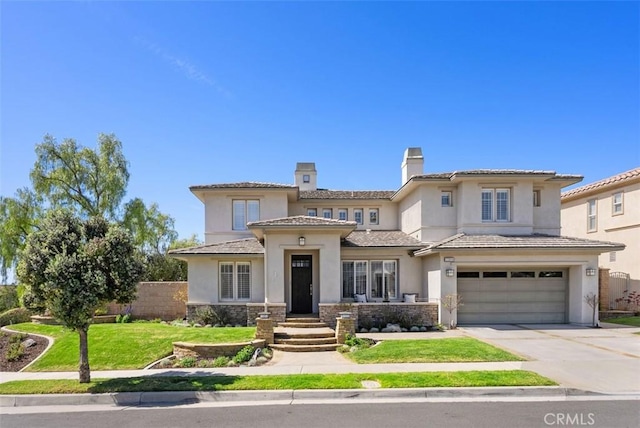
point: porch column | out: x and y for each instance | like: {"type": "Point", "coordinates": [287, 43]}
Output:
{"type": "Point", "coordinates": [330, 272]}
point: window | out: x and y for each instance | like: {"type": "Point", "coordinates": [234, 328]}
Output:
{"type": "Point", "coordinates": [536, 198]}
{"type": "Point", "coordinates": [468, 274]}
{"type": "Point", "coordinates": [306, 178]}
{"type": "Point", "coordinates": [375, 277]}
{"type": "Point", "coordinates": [592, 220]}
{"type": "Point", "coordinates": [354, 278]}
{"type": "Point", "coordinates": [525, 274]}
{"type": "Point", "coordinates": [373, 216]}
{"type": "Point", "coordinates": [312, 212]}
{"type": "Point", "coordinates": [235, 281]}
{"type": "Point", "coordinates": [357, 215]}
{"type": "Point", "coordinates": [445, 199]}
{"type": "Point", "coordinates": [617, 202]}
{"type": "Point", "coordinates": [327, 213]}
{"type": "Point", "coordinates": [383, 279]}
{"type": "Point", "coordinates": [550, 274]}
{"type": "Point", "coordinates": [343, 214]}
{"type": "Point", "coordinates": [245, 211]}
{"type": "Point", "coordinates": [495, 205]}
{"type": "Point", "coordinates": [494, 274]}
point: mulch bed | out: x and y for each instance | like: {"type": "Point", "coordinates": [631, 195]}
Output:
{"type": "Point", "coordinates": [29, 354]}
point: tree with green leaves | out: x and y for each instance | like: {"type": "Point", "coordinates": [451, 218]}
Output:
{"type": "Point", "coordinates": [87, 182]}
{"type": "Point", "coordinates": [72, 266]}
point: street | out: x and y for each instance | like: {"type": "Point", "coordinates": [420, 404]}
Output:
{"type": "Point", "coordinates": [606, 414]}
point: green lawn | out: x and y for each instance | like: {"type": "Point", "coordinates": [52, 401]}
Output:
{"type": "Point", "coordinates": [279, 382]}
{"type": "Point", "coordinates": [631, 321]}
{"type": "Point", "coordinates": [453, 350]}
{"type": "Point", "coordinates": [124, 346]}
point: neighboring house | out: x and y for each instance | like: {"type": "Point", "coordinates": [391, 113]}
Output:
{"type": "Point", "coordinates": [609, 210]}
{"type": "Point", "coordinates": [492, 236]}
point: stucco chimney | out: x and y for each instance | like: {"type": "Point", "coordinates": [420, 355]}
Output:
{"type": "Point", "coordinates": [306, 176]}
{"type": "Point", "coordinates": [412, 164]}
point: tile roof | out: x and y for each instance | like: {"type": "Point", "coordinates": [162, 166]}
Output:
{"type": "Point", "coordinates": [449, 175]}
{"type": "Point", "coordinates": [536, 241]}
{"type": "Point", "coordinates": [243, 185]}
{"type": "Point", "coordinates": [302, 220]}
{"type": "Point", "coordinates": [346, 194]}
{"type": "Point", "coordinates": [380, 238]}
{"type": "Point", "coordinates": [240, 246]}
{"type": "Point", "coordinates": [633, 174]}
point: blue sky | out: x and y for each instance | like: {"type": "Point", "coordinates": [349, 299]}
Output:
{"type": "Point", "coordinates": [210, 92]}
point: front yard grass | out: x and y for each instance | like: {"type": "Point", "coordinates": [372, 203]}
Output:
{"type": "Point", "coordinates": [631, 321]}
{"type": "Point", "coordinates": [453, 350]}
{"type": "Point", "coordinates": [124, 346]}
{"type": "Point", "coordinates": [279, 382]}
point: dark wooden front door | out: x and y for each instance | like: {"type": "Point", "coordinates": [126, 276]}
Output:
{"type": "Point", "coordinates": [301, 284]}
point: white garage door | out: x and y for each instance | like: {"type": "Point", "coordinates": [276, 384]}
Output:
{"type": "Point", "coordinates": [514, 296]}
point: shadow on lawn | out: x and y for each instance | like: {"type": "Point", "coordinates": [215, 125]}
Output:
{"type": "Point", "coordinates": [163, 382]}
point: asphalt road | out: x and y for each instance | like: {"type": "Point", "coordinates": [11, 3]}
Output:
{"type": "Point", "coordinates": [605, 414]}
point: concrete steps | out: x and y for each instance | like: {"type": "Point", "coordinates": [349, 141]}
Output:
{"type": "Point", "coordinates": [304, 335]}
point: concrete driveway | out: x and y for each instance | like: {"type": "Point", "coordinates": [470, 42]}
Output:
{"type": "Point", "coordinates": [605, 360]}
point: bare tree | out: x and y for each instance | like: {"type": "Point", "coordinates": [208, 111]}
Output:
{"type": "Point", "coordinates": [592, 301]}
{"type": "Point", "coordinates": [452, 302]}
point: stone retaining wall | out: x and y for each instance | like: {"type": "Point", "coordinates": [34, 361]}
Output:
{"type": "Point", "coordinates": [379, 314]}
{"type": "Point", "coordinates": [237, 313]}
{"type": "Point", "coordinates": [277, 312]}
{"type": "Point", "coordinates": [205, 350]}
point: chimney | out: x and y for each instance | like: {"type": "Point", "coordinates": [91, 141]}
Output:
{"type": "Point", "coordinates": [306, 176]}
{"type": "Point", "coordinates": [412, 164]}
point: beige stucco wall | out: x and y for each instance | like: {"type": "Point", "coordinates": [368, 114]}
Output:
{"type": "Point", "coordinates": [218, 213]}
{"type": "Point", "coordinates": [387, 211]}
{"type": "Point", "coordinates": [623, 228]}
{"type": "Point", "coordinates": [204, 278]}
{"type": "Point", "coordinates": [546, 217]}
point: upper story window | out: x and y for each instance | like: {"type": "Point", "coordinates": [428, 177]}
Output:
{"type": "Point", "coordinates": [235, 281]}
{"type": "Point", "coordinates": [446, 199]}
{"type": "Point", "coordinates": [358, 215]}
{"type": "Point", "coordinates": [343, 214]}
{"type": "Point", "coordinates": [306, 178]}
{"type": "Point", "coordinates": [617, 202]}
{"type": "Point", "coordinates": [496, 205]}
{"type": "Point", "coordinates": [245, 211]}
{"type": "Point", "coordinates": [312, 212]}
{"type": "Point", "coordinates": [373, 216]}
{"type": "Point", "coordinates": [536, 198]}
{"type": "Point", "coordinates": [327, 213]}
{"type": "Point", "coordinates": [592, 215]}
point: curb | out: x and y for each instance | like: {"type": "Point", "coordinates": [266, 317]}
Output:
{"type": "Point", "coordinates": [191, 397]}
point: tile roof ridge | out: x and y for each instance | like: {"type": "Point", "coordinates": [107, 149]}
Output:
{"type": "Point", "coordinates": [614, 179]}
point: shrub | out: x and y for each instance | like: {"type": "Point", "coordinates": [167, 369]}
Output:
{"type": "Point", "coordinates": [17, 338]}
{"type": "Point", "coordinates": [212, 315]}
{"type": "Point", "coordinates": [123, 319]}
{"type": "Point", "coordinates": [358, 342]}
{"type": "Point", "coordinates": [15, 316]}
{"type": "Point", "coordinates": [14, 352]}
{"type": "Point", "coordinates": [244, 354]}
{"type": "Point", "coordinates": [221, 362]}
{"type": "Point", "coordinates": [187, 362]}
{"type": "Point", "coordinates": [8, 297]}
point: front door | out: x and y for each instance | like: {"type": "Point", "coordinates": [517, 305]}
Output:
{"type": "Point", "coordinates": [301, 284]}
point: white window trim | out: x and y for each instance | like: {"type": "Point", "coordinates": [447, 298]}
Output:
{"type": "Point", "coordinates": [245, 207]}
{"type": "Point", "coordinates": [234, 285]}
{"type": "Point", "coordinates": [494, 204]}
{"type": "Point", "coordinates": [377, 211]}
{"type": "Point", "coordinates": [621, 203]}
{"type": "Point", "coordinates": [592, 215]}
{"type": "Point", "coordinates": [327, 210]}
{"type": "Point", "coordinates": [359, 211]}
{"type": "Point", "coordinates": [346, 214]}
{"type": "Point", "coordinates": [369, 279]}
{"type": "Point", "coordinates": [312, 210]}
{"type": "Point", "coordinates": [449, 193]}
{"type": "Point", "coordinates": [536, 198]}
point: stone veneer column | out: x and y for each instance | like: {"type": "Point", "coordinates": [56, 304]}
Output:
{"type": "Point", "coordinates": [603, 288]}
{"type": "Point", "coordinates": [344, 326]}
{"type": "Point", "coordinates": [264, 330]}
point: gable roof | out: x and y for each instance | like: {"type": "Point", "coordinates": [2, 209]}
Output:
{"type": "Point", "coordinates": [380, 238]}
{"type": "Point", "coordinates": [618, 180]}
{"type": "Point", "coordinates": [240, 246]}
{"type": "Point", "coordinates": [535, 241]}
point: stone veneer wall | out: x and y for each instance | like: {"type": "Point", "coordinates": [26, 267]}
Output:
{"type": "Point", "coordinates": [237, 311]}
{"type": "Point", "coordinates": [372, 314]}
{"type": "Point", "coordinates": [155, 300]}
{"type": "Point", "coordinates": [204, 350]}
{"type": "Point", "coordinates": [277, 312]}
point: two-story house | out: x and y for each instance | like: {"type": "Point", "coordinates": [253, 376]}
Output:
{"type": "Point", "coordinates": [609, 209]}
{"type": "Point", "coordinates": [491, 236]}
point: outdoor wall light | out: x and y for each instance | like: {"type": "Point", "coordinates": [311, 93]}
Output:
{"type": "Point", "coordinates": [590, 272]}
{"type": "Point", "coordinates": [301, 241]}
{"type": "Point", "coordinates": [449, 272]}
